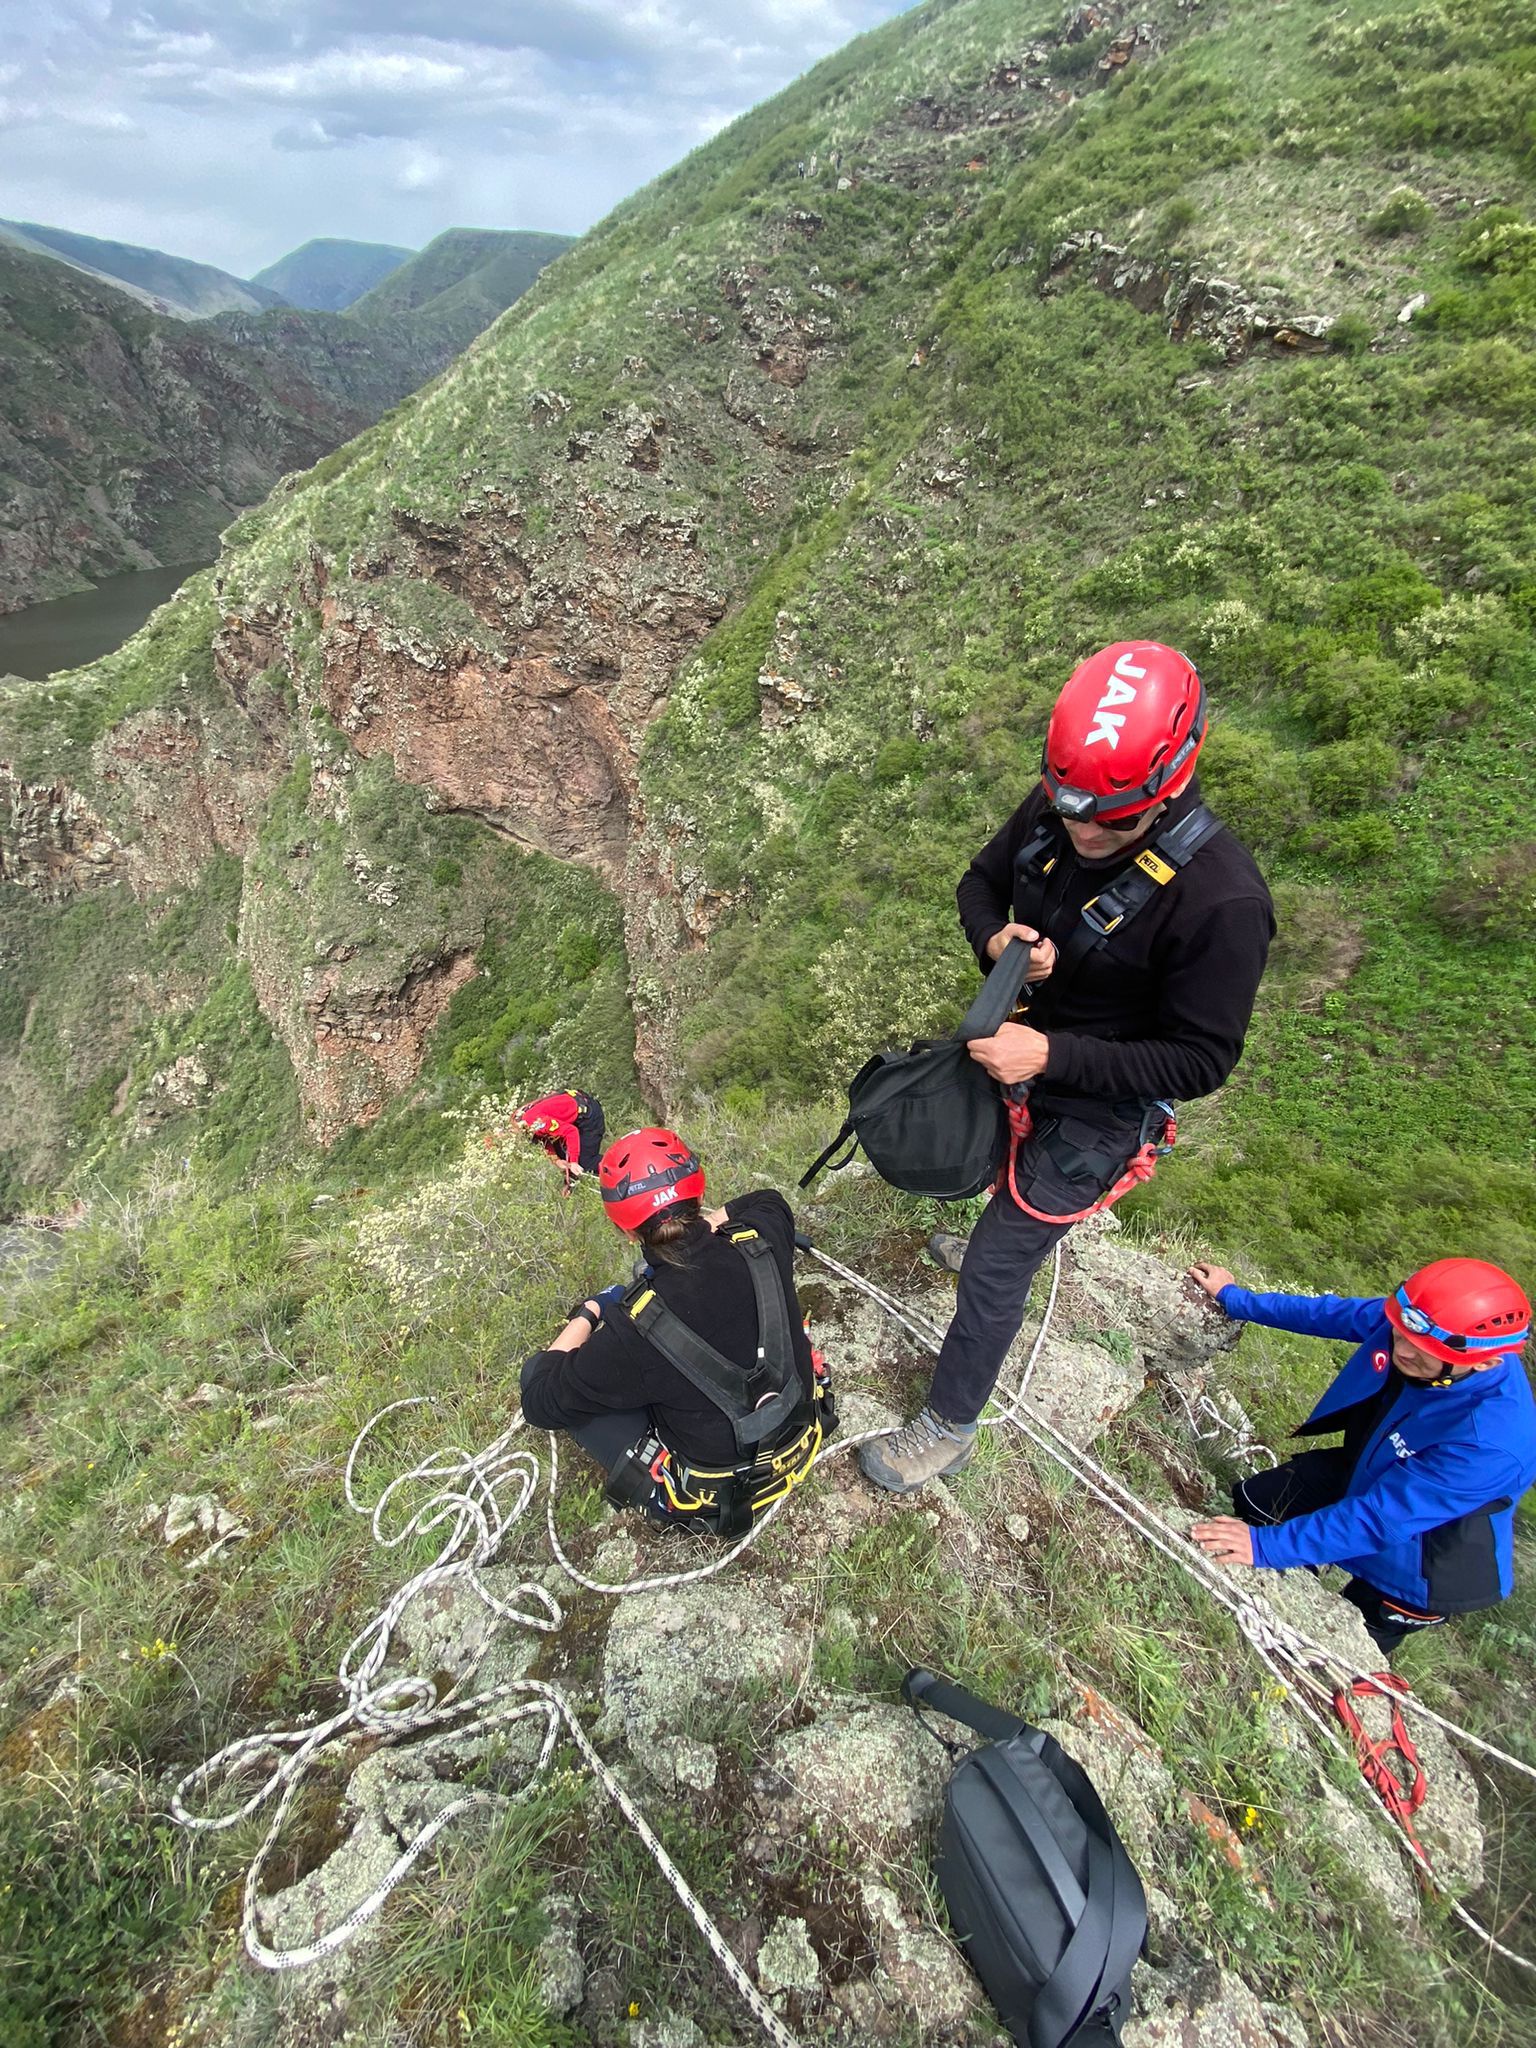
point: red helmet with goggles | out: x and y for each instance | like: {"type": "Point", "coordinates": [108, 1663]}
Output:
{"type": "Point", "coordinates": [1126, 728]}
{"type": "Point", "coordinates": [646, 1173]}
{"type": "Point", "coordinates": [1461, 1310]}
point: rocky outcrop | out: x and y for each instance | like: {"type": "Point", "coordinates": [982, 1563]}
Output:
{"type": "Point", "coordinates": [52, 841]}
{"type": "Point", "coordinates": [1193, 306]}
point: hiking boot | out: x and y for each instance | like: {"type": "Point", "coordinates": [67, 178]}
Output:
{"type": "Point", "coordinates": [947, 1250]}
{"type": "Point", "coordinates": [927, 1448]}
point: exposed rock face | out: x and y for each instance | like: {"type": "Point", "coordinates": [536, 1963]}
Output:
{"type": "Point", "coordinates": [1194, 306]}
{"type": "Point", "coordinates": [869, 1773]}
{"type": "Point", "coordinates": [51, 841]}
{"type": "Point", "coordinates": [1197, 2004]}
{"type": "Point", "coordinates": [353, 1040]}
{"type": "Point", "coordinates": [715, 1637]}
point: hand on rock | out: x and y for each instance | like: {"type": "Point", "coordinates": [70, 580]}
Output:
{"type": "Point", "coordinates": [1212, 1278]}
{"type": "Point", "coordinates": [1224, 1538]}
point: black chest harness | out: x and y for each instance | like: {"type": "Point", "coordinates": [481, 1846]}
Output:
{"type": "Point", "coordinates": [1098, 921]}
{"type": "Point", "coordinates": [1115, 907]}
{"type": "Point", "coordinates": [778, 1427]}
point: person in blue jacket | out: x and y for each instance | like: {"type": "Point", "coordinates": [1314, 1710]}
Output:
{"type": "Point", "coordinates": [1417, 1502]}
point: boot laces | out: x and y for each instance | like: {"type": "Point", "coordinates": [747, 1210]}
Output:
{"type": "Point", "coordinates": [923, 1431]}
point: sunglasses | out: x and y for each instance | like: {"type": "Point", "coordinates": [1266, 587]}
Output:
{"type": "Point", "coordinates": [1134, 822]}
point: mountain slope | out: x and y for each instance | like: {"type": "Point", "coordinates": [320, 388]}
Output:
{"type": "Point", "coordinates": [971, 350]}
{"type": "Point", "coordinates": [622, 710]}
{"type": "Point", "coordinates": [328, 274]}
{"type": "Point", "coordinates": [484, 266]}
{"type": "Point", "coordinates": [171, 285]}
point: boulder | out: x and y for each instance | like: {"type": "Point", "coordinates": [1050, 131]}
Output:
{"type": "Point", "coordinates": [1079, 1389]}
{"type": "Point", "coordinates": [558, 1970]}
{"type": "Point", "coordinates": [676, 1662]}
{"type": "Point", "coordinates": [787, 1961]}
{"type": "Point", "coordinates": [1197, 2004]}
{"type": "Point", "coordinates": [866, 1772]}
{"type": "Point", "coordinates": [1169, 1320]}
{"type": "Point", "coordinates": [919, 1969]}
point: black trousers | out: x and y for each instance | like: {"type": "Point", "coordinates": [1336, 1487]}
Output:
{"type": "Point", "coordinates": [1075, 1152]}
{"type": "Point", "coordinates": [1312, 1480]}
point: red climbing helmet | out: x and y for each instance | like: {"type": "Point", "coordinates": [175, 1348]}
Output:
{"type": "Point", "coordinates": [1461, 1309]}
{"type": "Point", "coordinates": [645, 1173]}
{"type": "Point", "coordinates": [1128, 725]}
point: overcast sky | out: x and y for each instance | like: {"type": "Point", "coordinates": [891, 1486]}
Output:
{"type": "Point", "coordinates": [233, 130]}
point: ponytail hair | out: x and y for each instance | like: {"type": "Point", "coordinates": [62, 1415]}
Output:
{"type": "Point", "coordinates": [664, 1236]}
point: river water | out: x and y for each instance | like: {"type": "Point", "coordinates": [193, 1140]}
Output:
{"type": "Point", "coordinates": [41, 639]}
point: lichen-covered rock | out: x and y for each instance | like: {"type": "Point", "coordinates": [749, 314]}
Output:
{"type": "Point", "coordinates": [1168, 1319]}
{"type": "Point", "coordinates": [558, 1970]}
{"type": "Point", "coordinates": [675, 1664]}
{"type": "Point", "coordinates": [869, 1773]}
{"type": "Point", "coordinates": [1127, 1770]}
{"type": "Point", "coordinates": [1196, 2004]}
{"type": "Point", "coordinates": [1079, 1389]}
{"type": "Point", "coordinates": [927, 1974]}
{"type": "Point", "coordinates": [787, 1961]}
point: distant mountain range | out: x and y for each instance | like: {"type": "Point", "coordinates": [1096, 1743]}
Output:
{"type": "Point", "coordinates": [129, 438]}
{"type": "Point", "coordinates": [171, 285]}
{"type": "Point", "coordinates": [329, 275]}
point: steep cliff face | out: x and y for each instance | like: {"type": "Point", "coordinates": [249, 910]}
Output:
{"type": "Point", "coordinates": [733, 571]}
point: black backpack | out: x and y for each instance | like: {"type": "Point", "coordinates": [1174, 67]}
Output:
{"type": "Point", "coordinates": [1041, 1893]}
{"type": "Point", "coordinates": [932, 1121]}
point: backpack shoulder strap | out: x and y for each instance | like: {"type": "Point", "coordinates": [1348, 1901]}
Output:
{"type": "Point", "coordinates": [1114, 908]}
{"type": "Point", "coordinates": [922, 1688]}
{"type": "Point", "coordinates": [1108, 1937]}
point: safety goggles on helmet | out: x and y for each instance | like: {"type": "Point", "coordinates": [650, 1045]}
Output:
{"type": "Point", "coordinates": [1418, 1324]}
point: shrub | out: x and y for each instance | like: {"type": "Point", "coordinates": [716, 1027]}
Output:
{"type": "Point", "coordinates": [1493, 897]}
{"type": "Point", "coordinates": [1405, 212]}
{"type": "Point", "coordinates": [1254, 784]}
{"type": "Point", "coordinates": [1351, 774]}
{"type": "Point", "coordinates": [1178, 215]}
{"type": "Point", "coordinates": [1351, 334]}
{"type": "Point", "coordinates": [1355, 842]}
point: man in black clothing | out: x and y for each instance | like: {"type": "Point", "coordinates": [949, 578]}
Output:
{"type": "Point", "coordinates": [605, 1381]}
{"type": "Point", "coordinates": [1150, 926]}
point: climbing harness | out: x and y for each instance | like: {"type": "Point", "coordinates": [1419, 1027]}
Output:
{"type": "Point", "coordinates": [479, 1496]}
{"type": "Point", "coordinates": [1401, 1800]}
{"type": "Point", "coordinates": [778, 1427]}
{"type": "Point", "coordinates": [1138, 1169]}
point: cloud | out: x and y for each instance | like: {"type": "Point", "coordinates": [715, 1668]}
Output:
{"type": "Point", "coordinates": [194, 125]}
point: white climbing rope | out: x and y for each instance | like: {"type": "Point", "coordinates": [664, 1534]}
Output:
{"type": "Point", "coordinates": [480, 1496]}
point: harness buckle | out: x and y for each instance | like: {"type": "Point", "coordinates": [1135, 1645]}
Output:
{"type": "Point", "coordinates": [1096, 921]}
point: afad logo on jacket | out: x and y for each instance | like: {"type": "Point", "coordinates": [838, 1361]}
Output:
{"type": "Point", "coordinates": [1396, 1441]}
{"type": "Point", "coordinates": [1107, 721]}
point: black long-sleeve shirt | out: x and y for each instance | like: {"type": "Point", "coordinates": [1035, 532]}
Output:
{"type": "Point", "coordinates": [1162, 1008]}
{"type": "Point", "coordinates": [617, 1368]}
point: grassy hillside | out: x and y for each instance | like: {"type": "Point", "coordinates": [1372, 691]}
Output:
{"type": "Point", "coordinates": [167, 284]}
{"type": "Point", "coordinates": [327, 274]}
{"type": "Point", "coordinates": [489, 267]}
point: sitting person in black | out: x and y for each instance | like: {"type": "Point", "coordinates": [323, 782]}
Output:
{"type": "Point", "coordinates": [697, 1390]}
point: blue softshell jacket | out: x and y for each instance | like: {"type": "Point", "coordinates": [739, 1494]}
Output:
{"type": "Point", "coordinates": [1428, 1514]}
